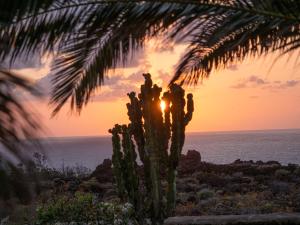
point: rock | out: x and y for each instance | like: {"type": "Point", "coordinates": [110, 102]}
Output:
{"type": "Point", "coordinates": [189, 163]}
{"type": "Point", "coordinates": [103, 172]}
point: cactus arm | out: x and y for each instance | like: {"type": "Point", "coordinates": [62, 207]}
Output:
{"type": "Point", "coordinates": [130, 168]}
{"type": "Point", "coordinates": [117, 161]}
{"type": "Point", "coordinates": [135, 117]}
{"type": "Point", "coordinates": [190, 109]}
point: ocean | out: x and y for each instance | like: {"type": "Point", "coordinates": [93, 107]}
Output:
{"type": "Point", "coordinates": [215, 147]}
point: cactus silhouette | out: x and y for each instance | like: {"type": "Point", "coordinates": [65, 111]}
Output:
{"type": "Point", "coordinates": [158, 137]}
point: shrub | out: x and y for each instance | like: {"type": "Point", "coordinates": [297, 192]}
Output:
{"type": "Point", "coordinates": [83, 208]}
{"type": "Point", "coordinates": [42, 169]}
{"type": "Point", "coordinates": [282, 173]}
{"type": "Point", "coordinates": [205, 194]}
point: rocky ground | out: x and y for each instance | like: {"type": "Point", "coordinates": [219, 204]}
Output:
{"type": "Point", "coordinates": [242, 187]}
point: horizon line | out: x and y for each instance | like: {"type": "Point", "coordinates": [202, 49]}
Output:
{"type": "Point", "coordinates": [190, 132]}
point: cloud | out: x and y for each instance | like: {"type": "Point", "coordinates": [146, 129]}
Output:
{"type": "Point", "coordinates": [115, 87]}
{"type": "Point", "coordinates": [290, 83]}
{"type": "Point", "coordinates": [239, 85]}
{"type": "Point", "coordinates": [121, 81]}
{"type": "Point", "coordinates": [257, 82]}
{"type": "Point", "coordinates": [115, 92]}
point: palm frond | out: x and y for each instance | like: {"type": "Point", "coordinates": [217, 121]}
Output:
{"type": "Point", "coordinates": [239, 35]}
{"type": "Point", "coordinates": [92, 36]}
{"type": "Point", "coordinates": [18, 133]}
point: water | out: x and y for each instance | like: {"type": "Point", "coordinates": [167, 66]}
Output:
{"type": "Point", "coordinates": [216, 147]}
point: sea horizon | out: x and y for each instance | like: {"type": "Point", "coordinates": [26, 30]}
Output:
{"type": "Point", "coordinates": [220, 147]}
{"type": "Point", "coordinates": [186, 133]}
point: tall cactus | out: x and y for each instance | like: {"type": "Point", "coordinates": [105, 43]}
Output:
{"type": "Point", "coordinates": [152, 130]}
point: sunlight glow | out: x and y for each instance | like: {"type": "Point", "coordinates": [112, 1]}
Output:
{"type": "Point", "coordinates": [162, 105]}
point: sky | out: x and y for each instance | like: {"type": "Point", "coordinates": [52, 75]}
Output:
{"type": "Point", "coordinates": [252, 95]}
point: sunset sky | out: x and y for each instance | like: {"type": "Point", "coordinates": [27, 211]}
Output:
{"type": "Point", "coordinates": [246, 96]}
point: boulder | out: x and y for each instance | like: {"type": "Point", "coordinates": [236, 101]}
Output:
{"type": "Point", "coordinates": [103, 173]}
{"type": "Point", "coordinates": [190, 162]}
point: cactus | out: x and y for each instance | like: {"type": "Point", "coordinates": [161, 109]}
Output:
{"type": "Point", "coordinates": [151, 130]}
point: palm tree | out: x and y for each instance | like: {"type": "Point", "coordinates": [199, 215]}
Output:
{"type": "Point", "coordinates": [89, 37]}
{"type": "Point", "coordinates": [19, 130]}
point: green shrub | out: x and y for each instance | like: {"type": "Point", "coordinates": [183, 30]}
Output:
{"type": "Point", "coordinates": [205, 194]}
{"type": "Point", "coordinates": [84, 209]}
{"type": "Point", "coordinates": [281, 173]}
{"type": "Point", "coordinates": [267, 208]}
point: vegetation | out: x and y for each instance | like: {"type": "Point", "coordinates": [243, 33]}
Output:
{"type": "Point", "coordinates": [152, 129]}
{"type": "Point", "coordinates": [16, 124]}
{"type": "Point", "coordinates": [83, 208]}
{"type": "Point", "coordinates": [44, 172]}
{"type": "Point", "coordinates": [90, 37]}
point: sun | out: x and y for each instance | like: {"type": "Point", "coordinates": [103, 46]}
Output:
{"type": "Point", "coordinates": [162, 105]}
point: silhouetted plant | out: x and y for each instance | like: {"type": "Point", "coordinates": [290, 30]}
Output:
{"type": "Point", "coordinates": [90, 37]}
{"type": "Point", "coordinates": [158, 137]}
{"type": "Point", "coordinates": [19, 130]}
{"type": "Point", "coordinates": [84, 209]}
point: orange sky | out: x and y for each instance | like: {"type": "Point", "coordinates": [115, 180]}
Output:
{"type": "Point", "coordinates": [248, 96]}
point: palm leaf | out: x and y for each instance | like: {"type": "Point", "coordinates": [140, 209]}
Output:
{"type": "Point", "coordinates": [18, 134]}
{"type": "Point", "coordinates": [92, 36]}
